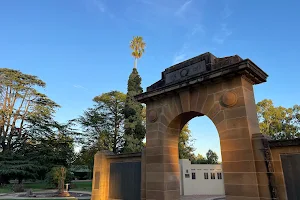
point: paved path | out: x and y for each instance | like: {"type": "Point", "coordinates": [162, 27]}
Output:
{"type": "Point", "coordinates": [192, 197]}
{"type": "Point", "coordinates": [202, 197]}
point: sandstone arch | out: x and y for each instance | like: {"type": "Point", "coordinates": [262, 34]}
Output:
{"type": "Point", "coordinates": [222, 89]}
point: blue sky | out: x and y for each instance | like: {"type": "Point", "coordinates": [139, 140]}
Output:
{"type": "Point", "coordinates": [80, 48]}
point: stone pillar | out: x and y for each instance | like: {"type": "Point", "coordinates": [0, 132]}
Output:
{"type": "Point", "coordinates": [260, 151]}
{"type": "Point", "coordinates": [100, 186]}
{"type": "Point", "coordinates": [162, 161]}
{"type": "Point", "coordinates": [235, 127]}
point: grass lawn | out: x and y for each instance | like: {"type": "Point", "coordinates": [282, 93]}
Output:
{"type": "Point", "coordinates": [82, 186]}
{"type": "Point", "coordinates": [5, 189]}
{"type": "Point", "coordinates": [37, 186]}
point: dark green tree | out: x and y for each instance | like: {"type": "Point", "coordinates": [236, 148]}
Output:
{"type": "Point", "coordinates": [16, 165]}
{"type": "Point", "coordinates": [25, 115]}
{"type": "Point", "coordinates": [86, 156]}
{"type": "Point", "coordinates": [103, 124]}
{"type": "Point", "coordinates": [212, 157]}
{"type": "Point", "coordinates": [199, 159]}
{"type": "Point", "coordinates": [134, 123]}
{"type": "Point", "coordinates": [33, 158]}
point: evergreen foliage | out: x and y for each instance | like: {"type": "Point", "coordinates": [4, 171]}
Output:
{"type": "Point", "coordinates": [103, 123]}
{"type": "Point", "coordinates": [133, 112]}
{"type": "Point", "coordinates": [31, 141]}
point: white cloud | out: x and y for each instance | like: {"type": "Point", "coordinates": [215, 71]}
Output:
{"type": "Point", "coordinates": [183, 8]}
{"type": "Point", "coordinates": [220, 37]}
{"type": "Point", "coordinates": [197, 29]}
{"type": "Point", "coordinates": [79, 87]}
{"type": "Point", "coordinates": [102, 7]}
{"type": "Point", "coordinates": [193, 35]}
{"type": "Point", "coordinates": [190, 38]}
{"type": "Point", "coordinates": [179, 58]}
{"type": "Point", "coordinates": [181, 55]}
{"type": "Point", "coordinates": [227, 12]}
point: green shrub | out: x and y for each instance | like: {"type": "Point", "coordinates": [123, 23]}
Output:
{"type": "Point", "coordinates": [55, 176]}
{"type": "Point", "coordinates": [18, 188]}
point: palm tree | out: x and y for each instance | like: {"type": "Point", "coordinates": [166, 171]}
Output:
{"type": "Point", "coordinates": [138, 48]}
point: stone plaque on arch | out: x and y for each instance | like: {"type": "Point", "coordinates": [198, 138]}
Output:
{"type": "Point", "coordinates": [222, 89]}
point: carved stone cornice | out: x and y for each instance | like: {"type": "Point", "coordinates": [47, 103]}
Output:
{"type": "Point", "coordinates": [203, 69]}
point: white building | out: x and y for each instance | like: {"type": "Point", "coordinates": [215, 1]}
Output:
{"type": "Point", "coordinates": [201, 179]}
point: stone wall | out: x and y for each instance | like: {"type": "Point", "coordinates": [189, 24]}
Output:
{"type": "Point", "coordinates": [101, 173]}
{"type": "Point", "coordinates": [278, 148]}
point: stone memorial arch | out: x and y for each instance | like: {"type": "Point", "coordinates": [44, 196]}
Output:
{"type": "Point", "coordinates": [222, 89]}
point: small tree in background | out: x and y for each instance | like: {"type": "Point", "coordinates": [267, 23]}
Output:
{"type": "Point", "coordinates": [212, 157]}
{"type": "Point", "coordinates": [60, 176]}
{"type": "Point", "coordinates": [199, 159]}
{"type": "Point", "coordinates": [185, 144]}
{"type": "Point", "coordinates": [57, 177]}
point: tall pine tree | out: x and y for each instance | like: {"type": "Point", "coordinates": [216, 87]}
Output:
{"type": "Point", "coordinates": [134, 128]}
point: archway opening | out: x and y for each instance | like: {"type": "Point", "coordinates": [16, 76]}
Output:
{"type": "Point", "coordinates": [204, 136]}
{"type": "Point", "coordinates": [200, 158]}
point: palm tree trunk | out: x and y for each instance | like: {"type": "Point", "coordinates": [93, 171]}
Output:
{"type": "Point", "coordinates": [135, 63]}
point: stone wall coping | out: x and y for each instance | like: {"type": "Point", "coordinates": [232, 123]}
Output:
{"type": "Point", "coordinates": [246, 67]}
{"type": "Point", "coordinates": [284, 143]}
{"type": "Point", "coordinates": [124, 155]}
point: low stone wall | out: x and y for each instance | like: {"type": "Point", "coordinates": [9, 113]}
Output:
{"type": "Point", "coordinates": [102, 161]}
{"type": "Point", "coordinates": [278, 148]}
{"type": "Point", "coordinates": [269, 167]}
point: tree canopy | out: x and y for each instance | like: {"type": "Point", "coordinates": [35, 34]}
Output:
{"type": "Point", "coordinates": [185, 144]}
{"type": "Point", "coordinates": [21, 107]}
{"type": "Point", "coordinates": [211, 158]}
{"type": "Point", "coordinates": [31, 141]}
{"type": "Point", "coordinates": [133, 112]}
{"type": "Point", "coordinates": [137, 46]}
{"type": "Point", "coordinates": [103, 123]}
{"type": "Point", "coordinates": [278, 122]}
